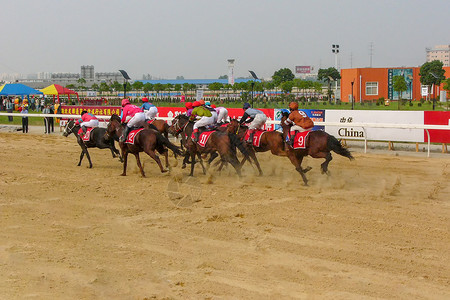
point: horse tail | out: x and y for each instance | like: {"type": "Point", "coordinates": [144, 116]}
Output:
{"type": "Point", "coordinates": [335, 145]}
{"type": "Point", "coordinates": [162, 140]}
{"type": "Point", "coordinates": [236, 142]}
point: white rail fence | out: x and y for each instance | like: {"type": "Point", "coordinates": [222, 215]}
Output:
{"type": "Point", "coordinates": [364, 126]}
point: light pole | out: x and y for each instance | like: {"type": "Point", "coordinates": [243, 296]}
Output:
{"type": "Point", "coordinates": [435, 94]}
{"type": "Point", "coordinates": [253, 83]}
{"type": "Point", "coordinates": [353, 82]}
{"type": "Point", "coordinates": [126, 77]}
{"type": "Point", "coordinates": [335, 50]}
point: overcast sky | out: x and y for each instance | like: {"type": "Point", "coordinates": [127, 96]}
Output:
{"type": "Point", "coordinates": [194, 38]}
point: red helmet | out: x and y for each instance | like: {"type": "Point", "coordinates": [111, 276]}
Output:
{"type": "Point", "coordinates": [213, 106]}
{"type": "Point", "coordinates": [188, 105]}
{"type": "Point", "coordinates": [125, 102]}
{"type": "Point", "coordinates": [293, 106]}
{"type": "Point", "coordinates": [145, 99]}
{"type": "Point", "coordinates": [202, 102]}
{"type": "Point", "coordinates": [196, 103]}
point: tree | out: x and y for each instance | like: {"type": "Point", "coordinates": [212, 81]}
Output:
{"type": "Point", "coordinates": [287, 86]}
{"type": "Point", "coordinates": [158, 87]}
{"type": "Point", "coordinates": [223, 77]}
{"type": "Point", "coordinates": [399, 85]}
{"type": "Point", "coordinates": [328, 75]}
{"type": "Point", "coordinates": [138, 85]}
{"type": "Point", "coordinates": [104, 87]}
{"type": "Point", "coordinates": [180, 78]}
{"type": "Point", "coordinates": [81, 81]}
{"type": "Point", "coordinates": [95, 87]}
{"type": "Point", "coordinates": [215, 86]}
{"type": "Point", "coordinates": [432, 73]}
{"type": "Point", "coordinates": [147, 87]}
{"type": "Point", "coordinates": [282, 75]}
{"type": "Point", "coordinates": [117, 86]}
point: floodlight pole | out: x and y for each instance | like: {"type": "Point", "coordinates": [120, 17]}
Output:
{"type": "Point", "coordinates": [353, 82]}
{"type": "Point", "coordinates": [253, 83]}
{"type": "Point", "coordinates": [126, 77]}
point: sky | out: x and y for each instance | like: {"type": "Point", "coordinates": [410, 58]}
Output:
{"type": "Point", "coordinates": [194, 38]}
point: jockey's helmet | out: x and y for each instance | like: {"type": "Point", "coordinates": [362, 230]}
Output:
{"type": "Point", "coordinates": [246, 105]}
{"type": "Point", "coordinates": [125, 102]}
{"type": "Point", "coordinates": [293, 106]}
{"type": "Point", "coordinates": [145, 99]}
{"type": "Point", "coordinates": [202, 102]}
{"type": "Point", "coordinates": [188, 105]}
{"type": "Point", "coordinates": [83, 112]}
{"type": "Point", "coordinates": [213, 106]}
{"type": "Point", "coordinates": [207, 102]}
{"type": "Point", "coordinates": [196, 103]}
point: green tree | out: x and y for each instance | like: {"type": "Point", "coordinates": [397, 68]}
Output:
{"type": "Point", "coordinates": [81, 81]}
{"type": "Point", "coordinates": [104, 87]}
{"type": "Point", "coordinates": [147, 87]}
{"type": "Point", "coordinates": [223, 77]}
{"type": "Point", "coordinates": [282, 75]}
{"type": "Point", "coordinates": [399, 85]}
{"type": "Point", "coordinates": [215, 86]}
{"type": "Point", "coordinates": [95, 87]}
{"type": "Point", "coordinates": [137, 85]}
{"type": "Point", "coordinates": [158, 87]}
{"type": "Point", "coordinates": [432, 73]}
{"type": "Point", "coordinates": [328, 75]}
{"type": "Point", "coordinates": [287, 86]}
{"type": "Point", "coordinates": [117, 86]}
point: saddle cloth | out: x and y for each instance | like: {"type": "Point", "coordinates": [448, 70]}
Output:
{"type": "Point", "coordinates": [300, 140]}
{"type": "Point", "coordinates": [87, 136]}
{"type": "Point", "coordinates": [132, 135]}
{"type": "Point", "coordinates": [203, 138]}
{"type": "Point", "coordinates": [256, 136]}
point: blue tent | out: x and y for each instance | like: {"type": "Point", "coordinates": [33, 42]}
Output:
{"type": "Point", "coordinates": [18, 89]}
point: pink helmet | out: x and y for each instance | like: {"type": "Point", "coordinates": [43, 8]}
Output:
{"type": "Point", "coordinates": [125, 102]}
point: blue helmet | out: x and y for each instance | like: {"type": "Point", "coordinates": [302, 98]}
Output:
{"type": "Point", "coordinates": [246, 105]}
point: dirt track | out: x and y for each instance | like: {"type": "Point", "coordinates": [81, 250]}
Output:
{"type": "Point", "coordinates": [377, 228]}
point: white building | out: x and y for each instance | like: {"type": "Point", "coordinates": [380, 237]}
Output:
{"type": "Point", "coordinates": [439, 52]}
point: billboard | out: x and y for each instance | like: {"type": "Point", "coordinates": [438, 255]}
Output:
{"type": "Point", "coordinates": [408, 75]}
{"type": "Point", "coordinates": [376, 134]}
{"type": "Point", "coordinates": [303, 69]}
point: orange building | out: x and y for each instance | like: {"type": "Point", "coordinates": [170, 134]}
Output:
{"type": "Point", "coordinates": [374, 83]}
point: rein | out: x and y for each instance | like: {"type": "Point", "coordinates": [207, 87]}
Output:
{"type": "Point", "coordinates": [71, 128]}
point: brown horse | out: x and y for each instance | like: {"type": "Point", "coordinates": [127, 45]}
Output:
{"type": "Point", "coordinates": [161, 126]}
{"type": "Point", "coordinates": [219, 144]}
{"type": "Point", "coordinates": [319, 144]}
{"type": "Point", "coordinates": [147, 140]}
{"type": "Point", "coordinates": [270, 140]}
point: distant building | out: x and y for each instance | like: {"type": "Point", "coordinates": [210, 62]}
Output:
{"type": "Point", "coordinates": [441, 53]}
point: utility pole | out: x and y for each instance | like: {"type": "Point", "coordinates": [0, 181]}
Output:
{"type": "Point", "coordinates": [335, 50]}
{"type": "Point", "coordinates": [371, 53]}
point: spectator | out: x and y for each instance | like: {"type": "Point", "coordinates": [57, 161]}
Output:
{"type": "Point", "coordinates": [9, 108]}
{"type": "Point", "coordinates": [46, 110]}
{"type": "Point", "coordinates": [24, 110]}
{"type": "Point", "coordinates": [51, 119]}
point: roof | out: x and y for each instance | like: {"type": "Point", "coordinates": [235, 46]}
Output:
{"type": "Point", "coordinates": [194, 81]}
{"type": "Point", "coordinates": [56, 89]}
{"type": "Point", "coordinates": [17, 89]}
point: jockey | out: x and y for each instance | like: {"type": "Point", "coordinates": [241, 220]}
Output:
{"type": "Point", "coordinates": [206, 118]}
{"type": "Point", "coordinates": [222, 114]}
{"type": "Point", "coordinates": [212, 110]}
{"type": "Point", "coordinates": [299, 121]}
{"type": "Point", "coordinates": [87, 120]}
{"type": "Point", "coordinates": [131, 115]}
{"type": "Point", "coordinates": [189, 108]}
{"type": "Point", "coordinates": [257, 119]}
{"type": "Point", "coordinates": [149, 109]}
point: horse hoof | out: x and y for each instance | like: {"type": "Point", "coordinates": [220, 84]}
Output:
{"type": "Point", "coordinates": [307, 169]}
{"type": "Point", "coordinates": [123, 174]}
{"type": "Point", "coordinates": [164, 171]}
{"type": "Point", "coordinates": [183, 166]}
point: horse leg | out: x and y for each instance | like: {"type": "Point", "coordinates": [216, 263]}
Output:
{"type": "Point", "coordinates": [125, 159]}
{"type": "Point", "coordinates": [153, 155]}
{"type": "Point", "coordinates": [323, 154]}
{"type": "Point", "coordinates": [252, 154]}
{"type": "Point", "coordinates": [192, 163]}
{"type": "Point", "coordinates": [166, 156]}
{"type": "Point", "coordinates": [235, 163]}
{"type": "Point", "coordinates": [297, 162]}
{"type": "Point", "coordinates": [201, 163]}
{"type": "Point", "coordinates": [81, 157]}
{"type": "Point", "coordinates": [138, 162]}
{"type": "Point", "coordinates": [89, 158]}
{"type": "Point", "coordinates": [213, 156]}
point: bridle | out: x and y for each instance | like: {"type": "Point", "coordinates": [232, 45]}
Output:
{"type": "Point", "coordinates": [69, 129]}
{"type": "Point", "coordinates": [177, 126]}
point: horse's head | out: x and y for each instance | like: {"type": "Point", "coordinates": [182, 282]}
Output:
{"type": "Point", "coordinates": [233, 126]}
{"type": "Point", "coordinates": [178, 124]}
{"type": "Point", "coordinates": [114, 128]}
{"type": "Point", "coordinates": [69, 128]}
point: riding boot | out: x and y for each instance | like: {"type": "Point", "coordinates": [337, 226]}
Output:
{"type": "Point", "coordinates": [124, 136]}
{"type": "Point", "coordinates": [250, 136]}
{"type": "Point", "coordinates": [83, 129]}
{"type": "Point", "coordinates": [291, 138]}
{"type": "Point", "coordinates": [196, 135]}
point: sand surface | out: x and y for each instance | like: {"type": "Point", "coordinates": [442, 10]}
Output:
{"type": "Point", "coordinates": [378, 227]}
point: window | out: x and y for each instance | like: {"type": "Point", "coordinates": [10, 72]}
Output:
{"type": "Point", "coordinates": [371, 88]}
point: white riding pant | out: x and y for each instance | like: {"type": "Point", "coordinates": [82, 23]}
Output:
{"type": "Point", "coordinates": [151, 113]}
{"type": "Point", "coordinates": [137, 118]}
{"type": "Point", "coordinates": [298, 128]}
{"type": "Point", "coordinates": [223, 115]}
{"type": "Point", "coordinates": [204, 121]}
{"type": "Point", "coordinates": [258, 121]}
{"type": "Point", "coordinates": [214, 115]}
{"type": "Point", "coordinates": [91, 123]}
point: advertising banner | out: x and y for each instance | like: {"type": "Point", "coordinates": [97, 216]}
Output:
{"type": "Point", "coordinates": [302, 69]}
{"type": "Point", "coordinates": [437, 118]}
{"type": "Point", "coordinates": [376, 134]}
{"type": "Point", "coordinates": [408, 75]}
{"type": "Point", "coordinates": [317, 115]}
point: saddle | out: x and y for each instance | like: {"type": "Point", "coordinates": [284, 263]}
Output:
{"type": "Point", "coordinates": [301, 140]}
{"type": "Point", "coordinates": [87, 136]}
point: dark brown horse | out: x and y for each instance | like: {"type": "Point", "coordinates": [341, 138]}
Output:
{"type": "Point", "coordinates": [97, 140]}
{"type": "Point", "coordinates": [147, 140]}
{"type": "Point", "coordinates": [220, 143]}
{"type": "Point", "coordinates": [161, 126]}
{"type": "Point", "coordinates": [319, 144]}
{"type": "Point", "coordinates": [270, 140]}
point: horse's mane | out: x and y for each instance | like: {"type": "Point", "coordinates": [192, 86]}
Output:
{"type": "Point", "coordinates": [115, 117]}
{"type": "Point", "coordinates": [285, 114]}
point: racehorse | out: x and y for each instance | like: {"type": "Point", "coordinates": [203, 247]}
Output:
{"type": "Point", "coordinates": [270, 140]}
{"type": "Point", "coordinates": [161, 126]}
{"type": "Point", "coordinates": [96, 140]}
{"type": "Point", "coordinates": [219, 143]}
{"type": "Point", "coordinates": [147, 140]}
{"type": "Point", "coordinates": [319, 144]}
